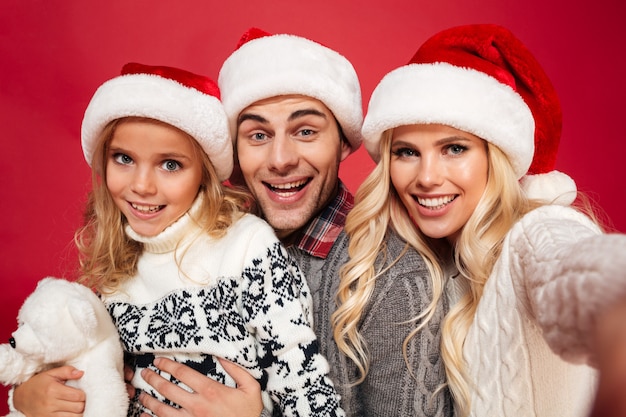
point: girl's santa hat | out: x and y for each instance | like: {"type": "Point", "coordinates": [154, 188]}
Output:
{"type": "Point", "coordinates": [265, 65]}
{"type": "Point", "coordinates": [483, 80]}
{"type": "Point", "coordinates": [174, 96]}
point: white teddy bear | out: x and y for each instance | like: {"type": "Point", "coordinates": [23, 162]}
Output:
{"type": "Point", "coordinates": [61, 323]}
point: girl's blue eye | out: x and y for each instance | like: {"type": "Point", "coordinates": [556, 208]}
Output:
{"type": "Point", "coordinates": [171, 165]}
{"type": "Point", "coordinates": [122, 158]}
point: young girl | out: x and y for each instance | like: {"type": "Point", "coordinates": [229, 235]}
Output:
{"type": "Point", "coordinates": [184, 273]}
{"type": "Point", "coordinates": [454, 132]}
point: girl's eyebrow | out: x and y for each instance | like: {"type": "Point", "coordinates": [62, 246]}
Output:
{"type": "Point", "coordinates": [165, 155]}
{"type": "Point", "coordinates": [174, 155]}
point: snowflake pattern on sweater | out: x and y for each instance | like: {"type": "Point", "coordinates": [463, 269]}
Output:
{"type": "Point", "coordinates": [260, 320]}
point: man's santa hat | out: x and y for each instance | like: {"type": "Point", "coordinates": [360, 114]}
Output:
{"type": "Point", "coordinates": [265, 66]}
{"type": "Point", "coordinates": [483, 80]}
{"type": "Point", "coordinates": [174, 96]}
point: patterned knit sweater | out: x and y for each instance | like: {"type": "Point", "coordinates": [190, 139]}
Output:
{"type": "Point", "coordinates": [241, 298]}
{"type": "Point", "coordinates": [528, 345]}
{"type": "Point", "coordinates": [391, 388]}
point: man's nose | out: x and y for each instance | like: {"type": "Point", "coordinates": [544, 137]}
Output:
{"type": "Point", "coordinates": [283, 153]}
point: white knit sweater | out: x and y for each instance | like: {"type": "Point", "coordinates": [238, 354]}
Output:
{"type": "Point", "coordinates": [240, 297]}
{"type": "Point", "coordinates": [528, 345]}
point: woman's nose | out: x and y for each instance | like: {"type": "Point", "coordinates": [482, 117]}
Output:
{"type": "Point", "coordinates": [429, 171]}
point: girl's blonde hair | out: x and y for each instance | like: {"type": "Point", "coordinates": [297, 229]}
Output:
{"type": "Point", "coordinates": [107, 256]}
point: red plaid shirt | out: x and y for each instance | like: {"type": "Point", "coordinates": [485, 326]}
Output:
{"type": "Point", "coordinates": [322, 231]}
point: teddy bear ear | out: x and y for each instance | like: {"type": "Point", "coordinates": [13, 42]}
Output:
{"type": "Point", "coordinates": [82, 312]}
{"type": "Point", "coordinates": [77, 301]}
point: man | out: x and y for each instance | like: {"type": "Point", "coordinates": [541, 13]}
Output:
{"type": "Point", "coordinates": [295, 112]}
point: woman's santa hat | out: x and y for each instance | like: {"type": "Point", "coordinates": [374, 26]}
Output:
{"type": "Point", "coordinates": [174, 96]}
{"type": "Point", "coordinates": [480, 79]}
{"type": "Point", "coordinates": [264, 66]}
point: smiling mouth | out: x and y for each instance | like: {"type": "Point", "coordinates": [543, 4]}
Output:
{"type": "Point", "coordinates": [435, 203]}
{"type": "Point", "coordinates": [146, 209]}
{"type": "Point", "coordinates": [288, 189]}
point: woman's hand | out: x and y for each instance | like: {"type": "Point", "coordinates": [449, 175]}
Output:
{"type": "Point", "coordinates": [611, 355]}
{"type": "Point", "coordinates": [46, 394]}
{"type": "Point", "coordinates": [209, 398]}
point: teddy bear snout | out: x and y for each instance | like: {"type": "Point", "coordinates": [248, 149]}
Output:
{"type": "Point", "coordinates": [12, 342]}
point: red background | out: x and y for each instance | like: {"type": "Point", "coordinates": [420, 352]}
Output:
{"type": "Point", "coordinates": [54, 54]}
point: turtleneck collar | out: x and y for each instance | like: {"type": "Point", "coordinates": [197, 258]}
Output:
{"type": "Point", "coordinates": [173, 235]}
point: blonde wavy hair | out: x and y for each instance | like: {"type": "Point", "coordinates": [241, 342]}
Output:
{"type": "Point", "coordinates": [476, 251]}
{"type": "Point", "coordinates": [107, 256]}
{"type": "Point", "coordinates": [377, 207]}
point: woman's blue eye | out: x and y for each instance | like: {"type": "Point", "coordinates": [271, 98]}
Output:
{"type": "Point", "coordinates": [171, 165]}
{"type": "Point", "coordinates": [457, 149]}
{"type": "Point", "coordinates": [404, 152]}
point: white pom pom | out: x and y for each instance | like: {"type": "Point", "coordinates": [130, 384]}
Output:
{"type": "Point", "coordinates": [553, 187]}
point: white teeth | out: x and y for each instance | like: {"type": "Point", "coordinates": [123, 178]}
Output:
{"type": "Point", "coordinates": [435, 202]}
{"type": "Point", "coordinates": [146, 209]}
{"type": "Point", "coordinates": [288, 185]}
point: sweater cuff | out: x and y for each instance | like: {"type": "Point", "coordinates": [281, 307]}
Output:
{"type": "Point", "coordinates": [13, 411]}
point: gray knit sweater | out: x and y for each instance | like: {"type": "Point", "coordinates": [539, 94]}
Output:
{"type": "Point", "coordinates": [400, 294]}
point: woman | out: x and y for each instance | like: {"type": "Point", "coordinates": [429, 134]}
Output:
{"type": "Point", "coordinates": [466, 137]}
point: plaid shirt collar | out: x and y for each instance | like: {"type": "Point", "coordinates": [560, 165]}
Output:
{"type": "Point", "coordinates": [322, 231]}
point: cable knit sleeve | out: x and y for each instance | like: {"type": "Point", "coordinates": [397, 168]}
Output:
{"type": "Point", "coordinates": [567, 273]}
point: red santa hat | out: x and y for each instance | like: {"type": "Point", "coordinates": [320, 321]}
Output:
{"type": "Point", "coordinates": [483, 80]}
{"type": "Point", "coordinates": [265, 66]}
{"type": "Point", "coordinates": [174, 96]}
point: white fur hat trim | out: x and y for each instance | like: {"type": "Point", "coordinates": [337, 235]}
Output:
{"type": "Point", "coordinates": [286, 64]}
{"type": "Point", "coordinates": [146, 95]}
{"type": "Point", "coordinates": [463, 98]}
